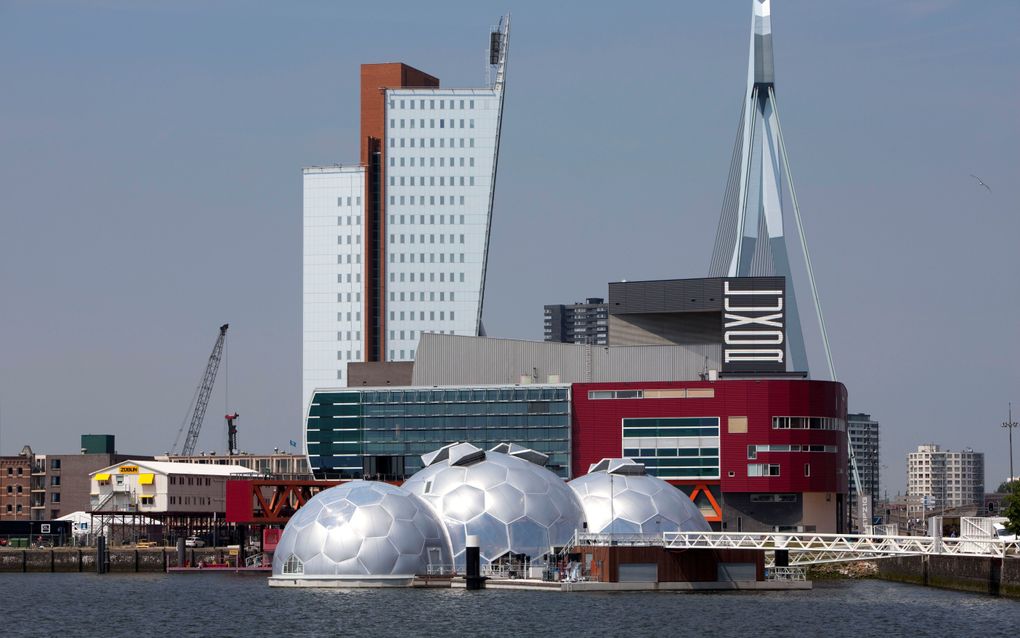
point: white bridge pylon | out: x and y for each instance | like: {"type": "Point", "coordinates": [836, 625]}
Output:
{"type": "Point", "coordinates": [811, 549]}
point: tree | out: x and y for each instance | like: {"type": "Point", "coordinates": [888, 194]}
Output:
{"type": "Point", "coordinates": [1011, 507]}
{"type": "Point", "coordinates": [1003, 488]}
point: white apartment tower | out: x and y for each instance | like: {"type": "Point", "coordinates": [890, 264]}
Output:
{"type": "Point", "coordinates": [942, 478]}
{"type": "Point", "coordinates": [397, 245]}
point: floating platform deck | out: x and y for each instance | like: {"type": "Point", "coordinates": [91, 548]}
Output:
{"type": "Point", "coordinates": [220, 569]}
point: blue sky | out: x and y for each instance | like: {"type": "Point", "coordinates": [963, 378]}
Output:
{"type": "Point", "coordinates": [150, 189]}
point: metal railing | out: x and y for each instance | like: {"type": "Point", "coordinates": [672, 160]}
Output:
{"type": "Point", "coordinates": [806, 549]}
{"type": "Point", "coordinates": [507, 570]}
{"type": "Point", "coordinates": [441, 570]}
{"type": "Point", "coordinates": [647, 540]}
{"type": "Point", "coordinates": [255, 560]}
{"type": "Point", "coordinates": [785, 573]}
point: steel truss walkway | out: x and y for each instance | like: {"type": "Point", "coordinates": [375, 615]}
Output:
{"type": "Point", "coordinates": [811, 549]}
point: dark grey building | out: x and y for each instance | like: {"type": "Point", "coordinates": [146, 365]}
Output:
{"type": "Point", "coordinates": [586, 322]}
{"type": "Point", "coordinates": [863, 432]}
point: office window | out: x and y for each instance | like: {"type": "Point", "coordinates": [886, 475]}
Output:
{"type": "Point", "coordinates": [737, 425]}
{"type": "Point", "coordinates": [762, 469]}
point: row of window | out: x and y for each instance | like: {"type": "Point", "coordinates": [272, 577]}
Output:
{"type": "Point", "coordinates": [350, 220]}
{"type": "Point", "coordinates": [355, 296]}
{"type": "Point", "coordinates": [357, 202]}
{"type": "Point", "coordinates": [188, 500]}
{"type": "Point", "coordinates": [409, 219]}
{"type": "Point", "coordinates": [453, 258]}
{"type": "Point", "coordinates": [434, 200]}
{"type": "Point", "coordinates": [409, 239]}
{"type": "Point", "coordinates": [415, 397]}
{"type": "Point", "coordinates": [398, 442]}
{"type": "Point", "coordinates": [189, 480]}
{"type": "Point", "coordinates": [442, 296]}
{"type": "Point", "coordinates": [454, 161]}
{"type": "Point", "coordinates": [410, 181]}
{"type": "Point", "coordinates": [752, 450]}
{"type": "Point", "coordinates": [807, 423]}
{"type": "Point", "coordinates": [346, 258]}
{"type": "Point", "coordinates": [348, 239]}
{"type": "Point", "coordinates": [770, 469]}
{"type": "Point", "coordinates": [421, 277]}
{"type": "Point", "coordinates": [453, 104]}
{"type": "Point", "coordinates": [54, 465]}
{"type": "Point", "coordinates": [409, 142]}
{"type": "Point", "coordinates": [356, 278]}
{"type": "Point", "coordinates": [671, 393]}
{"type": "Point", "coordinates": [678, 452]}
{"type": "Point", "coordinates": [643, 433]}
{"type": "Point", "coordinates": [443, 122]}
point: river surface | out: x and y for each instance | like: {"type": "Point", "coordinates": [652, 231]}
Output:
{"type": "Point", "coordinates": [223, 605]}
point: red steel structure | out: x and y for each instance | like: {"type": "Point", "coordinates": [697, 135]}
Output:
{"type": "Point", "coordinates": [269, 502]}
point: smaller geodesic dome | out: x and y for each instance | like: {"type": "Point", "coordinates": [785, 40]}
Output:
{"type": "Point", "coordinates": [618, 497]}
{"type": "Point", "coordinates": [361, 533]}
{"type": "Point", "coordinates": [505, 497]}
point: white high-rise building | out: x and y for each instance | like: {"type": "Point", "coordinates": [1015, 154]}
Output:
{"type": "Point", "coordinates": [939, 478]}
{"type": "Point", "coordinates": [333, 275]}
{"type": "Point", "coordinates": [397, 244]}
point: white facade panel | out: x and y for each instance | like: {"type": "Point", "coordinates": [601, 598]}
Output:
{"type": "Point", "coordinates": [441, 149]}
{"type": "Point", "coordinates": [333, 285]}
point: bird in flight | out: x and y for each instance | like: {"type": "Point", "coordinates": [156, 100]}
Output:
{"type": "Point", "coordinates": [980, 182]}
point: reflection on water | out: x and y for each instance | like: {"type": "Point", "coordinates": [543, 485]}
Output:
{"type": "Point", "coordinates": [228, 605]}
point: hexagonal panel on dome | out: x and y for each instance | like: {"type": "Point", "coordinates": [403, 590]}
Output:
{"type": "Point", "coordinates": [623, 501]}
{"type": "Point", "coordinates": [505, 502]}
{"type": "Point", "coordinates": [464, 503]}
{"type": "Point", "coordinates": [513, 490]}
{"type": "Point", "coordinates": [342, 543]}
{"type": "Point", "coordinates": [362, 530]}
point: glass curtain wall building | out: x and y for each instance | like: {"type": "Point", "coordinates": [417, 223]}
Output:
{"type": "Point", "coordinates": [382, 433]}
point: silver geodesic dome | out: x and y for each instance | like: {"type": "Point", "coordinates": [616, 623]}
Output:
{"type": "Point", "coordinates": [361, 532]}
{"type": "Point", "coordinates": [619, 497]}
{"type": "Point", "coordinates": [504, 496]}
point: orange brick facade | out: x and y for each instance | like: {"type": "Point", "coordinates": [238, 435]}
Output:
{"type": "Point", "coordinates": [375, 79]}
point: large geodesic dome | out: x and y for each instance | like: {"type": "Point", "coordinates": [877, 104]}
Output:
{"type": "Point", "coordinates": [618, 497]}
{"type": "Point", "coordinates": [504, 496]}
{"type": "Point", "coordinates": [361, 533]}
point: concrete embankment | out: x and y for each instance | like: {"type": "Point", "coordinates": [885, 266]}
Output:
{"type": "Point", "coordinates": [996, 576]}
{"type": "Point", "coordinates": [83, 559]}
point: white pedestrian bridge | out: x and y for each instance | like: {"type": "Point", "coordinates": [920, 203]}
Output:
{"type": "Point", "coordinates": [812, 548]}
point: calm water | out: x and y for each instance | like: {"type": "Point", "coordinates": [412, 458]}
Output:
{"type": "Point", "coordinates": [226, 605]}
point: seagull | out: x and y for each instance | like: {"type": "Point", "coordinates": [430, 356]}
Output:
{"type": "Point", "coordinates": [980, 182]}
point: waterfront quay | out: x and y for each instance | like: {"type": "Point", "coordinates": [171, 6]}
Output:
{"type": "Point", "coordinates": [120, 560]}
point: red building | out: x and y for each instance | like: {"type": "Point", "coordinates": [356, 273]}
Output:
{"type": "Point", "coordinates": [755, 454]}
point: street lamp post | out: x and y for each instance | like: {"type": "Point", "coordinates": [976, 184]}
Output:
{"type": "Point", "coordinates": [1009, 425]}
